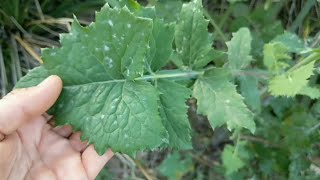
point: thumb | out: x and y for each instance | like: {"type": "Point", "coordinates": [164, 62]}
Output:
{"type": "Point", "coordinates": [22, 105]}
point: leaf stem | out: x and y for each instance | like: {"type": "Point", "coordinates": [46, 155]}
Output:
{"type": "Point", "coordinates": [188, 74]}
{"type": "Point", "coordinates": [215, 25]}
{"type": "Point", "coordinates": [313, 57]}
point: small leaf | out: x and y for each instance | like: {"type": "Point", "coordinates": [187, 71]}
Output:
{"type": "Point", "coordinates": [291, 41]}
{"type": "Point", "coordinates": [173, 110]}
{"type": "Point", "coordinates": [250, 92]}
{"type": "Point", "coordinates": [312, 92]}
{"type": "Point", "coordinates": [239, 49]}
{"type": "Point", "coordinates": [168, 10]}
{"type": "Point", "coordinates": [230, 160]}
{"type": "Point", "coordinates": [290, 83]}
{"type": "Point", "coordinates": [218, 99]}
{"type": "Point", "coordinates": [160, 44]}
{"type": "Point", "coordinates": [192, 40]}
{"type": "Point", "coordinates": [174, 167]}
{"type": "Point", "coordinates": [274, 54]}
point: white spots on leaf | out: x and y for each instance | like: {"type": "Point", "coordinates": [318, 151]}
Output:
{"type": "Point", "coordinates": [128, 72]}
{"type": "Point", "coordinates": [290, 79]}
{"type": "Point", "coordinates": [106, 48]}
{"type": "Point", "coordinates": [114, 36]}
{"type": "Point", "coordinates": [102, 116]}
{"type": "Point", "coordinates": [53, 54]}
{"type": "Point", "coordinates": [129, 26]}
{"type": "Point", "coordinates": [97, 49]}
{"type": "Point", "coordinates": [86, 35]}
{"type": "Point", "coordinates": [165, 140]}
{"type": "Point", "coordinates": [115, 123]}
{"type": "Point", "coordinates": [109, 62]}
{"type": "Point", "coordinates": [110, 23]}
{"type": "Point", "coordinates": [227, 101]}
{"type": "Point", "coordinates": [126, 136]}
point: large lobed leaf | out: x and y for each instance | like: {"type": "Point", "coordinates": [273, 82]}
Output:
{"type": "Point", "coordinates": [101, 97]}
{"type": "Point", "coordinates": [218, 99]}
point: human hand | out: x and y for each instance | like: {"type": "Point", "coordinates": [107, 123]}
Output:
{"type": "Point", "coordinates": [30, 148]}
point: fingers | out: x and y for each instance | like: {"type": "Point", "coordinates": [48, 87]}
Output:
{"type": "Point", "coordinates": [64, 131]}
{"type": "Point", "coordinates": [76, 142]}
{"type": "Point", "coordinates": [22, 105]}
{"type": "Point", "coordinates": [93, 163]}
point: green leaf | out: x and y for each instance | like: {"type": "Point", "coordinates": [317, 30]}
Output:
{"type": "Point", "coordinates": [291, 41]}
{"type": "Point", "coordinates": [230, 160]}
{"type": "Point", "coordinates": [113, 52]}
{"type": "Point", "coordinates": [173, 111]}
{"type": "Point", "coordinates": [168, 10]}
{"type": "Point", "coordinates": [131, 4]}
{"type": "Point", "coordinates": [123, 116]}
{"type": "Point", "coordinates": [239, 49]}
{"type": "Point", "coordinates": [218, 99]}
{"type": "Point", "coordinates": [290, 83]}
{"type": "Point", "coordinates": [160, 44]}
{"type": "Point", "coordinates": [274, 54]}
{"type": "Point", "coordinates": [96, 64]}
{"type": "Point", "coordinates": [250, 92]}
{"type": "Point", "coordinates": [174, 167]}
{"type": "Point", "coordinates": [33, 78]}
{"type": "Point", "coordinates": [192, 40]}
{"type": "Point", "coordinates": [312, 92]}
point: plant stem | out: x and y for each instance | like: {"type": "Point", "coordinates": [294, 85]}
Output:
{"type": "Point", "coordinates": [214, 24]}
{"type": "Point", "coordinates": [182, 74]}
{"type": "Point", "coordinates": [313, 57]}
{"type": "Point", "coordinates": [189, 74]}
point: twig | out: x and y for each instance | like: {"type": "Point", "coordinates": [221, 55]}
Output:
{"type": "Point", "coordinates": [210, 164]}
{"type": "Point", "coordinates": [29, 49]}
{"type": "Point", "coordinates": [3, 74]}
{"type": "Point", "coordinates": [39, 9]}
{"type": "Point", "coordinates": [259, 140]}
{"type": "Point", "coordinates": [143, 170]}
{"type": "Point", "coordinates": [63, 21]}
{"type": "Point", "coordinates": [214, 24]}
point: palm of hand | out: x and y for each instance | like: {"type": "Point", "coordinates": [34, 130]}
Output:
{"type": "Point", "coordinates": [37, 151]}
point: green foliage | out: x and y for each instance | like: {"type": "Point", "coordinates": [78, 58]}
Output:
{"type": "Point", "coordinates": [290, 83]}
{"type": "Point", "coordinates": [275, 55]}
{"type": "Point", "coordinates": [192, 40]}
{"type": "Point", "coordinates": [239, 49]}
{"type": "Point", "coordinates": [174, 167]}
{"type": "Point", "coordinates": [230, 160]}
{"type": "Point", "coordinates": [130, 77]}
{"type": "Point", "coordinates": [219, 100]}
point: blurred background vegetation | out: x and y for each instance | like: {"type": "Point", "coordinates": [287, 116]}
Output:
{"type": "Point", "coordinates": [26, 26]}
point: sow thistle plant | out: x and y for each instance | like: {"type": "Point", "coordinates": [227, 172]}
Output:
{"type": "Point", "coordinates": [118, 92]}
